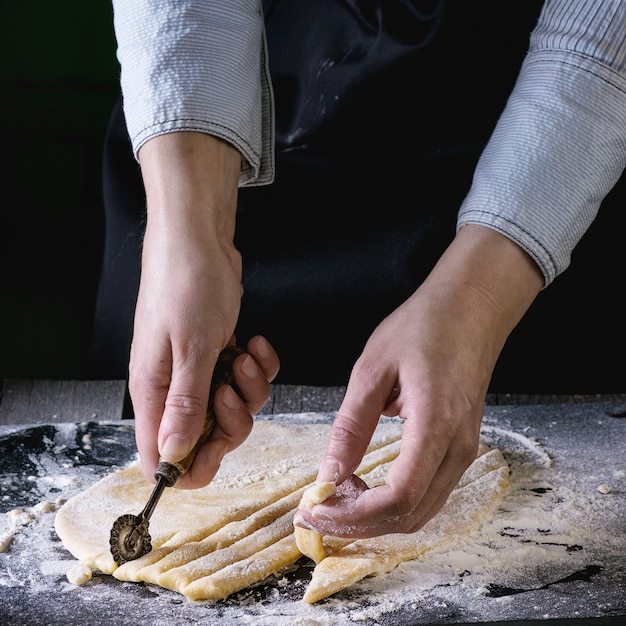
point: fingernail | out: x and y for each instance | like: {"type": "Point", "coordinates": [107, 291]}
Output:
{"type": "Point", "coordinates": [231, 399]}
{"type": "Point", "coordinates": [249, 367]}
{"type": "Point", "coordinates": [176, 447]}
{"type": "Point", "coordinates": [317, 512]}
{"type": "Point", "coordinates": [263, 347]}
{"type": "Point", "coordinates": [328, 472]}
{"type": "Point", "coordinates": [298, 520]}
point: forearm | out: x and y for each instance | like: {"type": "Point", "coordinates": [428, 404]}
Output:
{"type": "Point", "coordinates": [191, 186]}
{"type": "Point", "coordinates": [560, 144]}
{"type": "Point", "coordinates": [190, 290]}
{"type": "Point", "coordinates": [198, 66]}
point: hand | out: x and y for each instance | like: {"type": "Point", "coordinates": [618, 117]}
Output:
{"type": "Point", "coordinates": [430, 362]}
{"type": "Point", "coordinates": [187, 309]}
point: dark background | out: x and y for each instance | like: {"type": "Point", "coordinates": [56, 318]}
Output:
{"type": "Point", "coordinates": [59, 81]}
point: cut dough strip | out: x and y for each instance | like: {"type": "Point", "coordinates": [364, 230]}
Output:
{"type": "Point", "coordinates": [242, 574]}
{"type": "Point", "coordinates": [179, 578]}
{"type": "Point", "coordinates": [177, 551]}
{"type": "Point", "coordinates": [155, 563]}
{"type": "Point", "coordinates": [309, 542]}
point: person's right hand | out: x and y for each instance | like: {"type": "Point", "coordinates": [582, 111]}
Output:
{"type": "Point", "coordinates": [187, 308]}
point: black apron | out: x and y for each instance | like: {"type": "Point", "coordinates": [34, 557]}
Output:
{"type": "Point", "coordinates": [382, 110]}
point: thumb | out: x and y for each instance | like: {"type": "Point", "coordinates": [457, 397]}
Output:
{"type": "Point", "coordinates": [184, 415]}
{"type": "Point", "coordinates": [181, 426]}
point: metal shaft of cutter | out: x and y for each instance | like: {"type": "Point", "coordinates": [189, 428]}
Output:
{"type": "Point", "coordinates": [166, 474]}
{"type": "Point", "coordinates": [157, 492]}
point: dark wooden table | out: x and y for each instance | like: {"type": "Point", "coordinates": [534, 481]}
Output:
{"type": "Point", "coordinates": [571, 427]}
{"type": "Point", "coordinates": [52, 401]}
{"type": "Point", "coordinates": [55, 401]}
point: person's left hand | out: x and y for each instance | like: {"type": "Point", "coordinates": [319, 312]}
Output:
{"type": "Point", "coordinates": [430, 362]}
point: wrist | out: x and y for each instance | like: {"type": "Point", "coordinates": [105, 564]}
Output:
{"type": "Point", "coordinates": [487, 282]}
{"type": "Point", "coordinates": [191, 183]}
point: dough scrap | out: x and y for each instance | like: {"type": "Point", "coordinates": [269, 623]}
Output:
{"type": "Point", "coordinates": [309, 542]}
{"type": "Point", "coordinates": [212, 542]}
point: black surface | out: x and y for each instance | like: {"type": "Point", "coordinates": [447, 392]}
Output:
{"type": "Point", "coordinates": [113, 445]}
{"type": "Point", "coordinates": [586, 442]}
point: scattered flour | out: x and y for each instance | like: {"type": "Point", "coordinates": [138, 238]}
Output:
{"type": "Point", "coordinates": [550, 531]}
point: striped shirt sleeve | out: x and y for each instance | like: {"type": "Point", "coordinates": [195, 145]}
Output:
{"type": "Point", "coordinates": [198, 65]}
{"type": "Point", "coordinates": [560, 144]}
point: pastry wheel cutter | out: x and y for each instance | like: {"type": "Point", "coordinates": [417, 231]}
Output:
{"type": "Point", "coordinates": [130, 538]}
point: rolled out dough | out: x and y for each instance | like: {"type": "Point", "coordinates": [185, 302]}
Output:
{"type": "Point", "coordinates": [212, 542]}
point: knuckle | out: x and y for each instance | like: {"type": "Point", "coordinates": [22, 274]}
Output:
{"type": "Point", "coordinates": [467, 450]}
{"type": "Point", "coordinates": [184, 407]}
{"type": "Point", "coordinates": [403, 506]}
{"type": "Point", "coordinates": [142, 383]}
{"type": "Point", "coordinates": [345, 431]}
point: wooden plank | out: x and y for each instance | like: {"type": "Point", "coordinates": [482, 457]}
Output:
{"type": "Point", "coordinates": [535, 399]}
{"type": "Point", "coordinates": [303, 399]}
{"type": "Point", "coordinates": [50, 401]}
{"type": "Point", "coordinates": [54, 401]}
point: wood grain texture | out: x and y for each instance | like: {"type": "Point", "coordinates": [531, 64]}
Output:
{"type": "Point", "coordinates": [54, 401]}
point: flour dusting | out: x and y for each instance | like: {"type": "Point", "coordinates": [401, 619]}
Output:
{"type": "Point", "coordinates": [553, 548]}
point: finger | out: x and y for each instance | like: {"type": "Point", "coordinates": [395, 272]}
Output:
{"type": "Point", "coordinates": [233, 410]}
{"type": "Point", "coordinates": [345, 496]}
{"type": "Point", "coordinates": [265, 356]}
{"type": "Point", "coordinates": [438, 497]}
{"type": "Point", "coordinates": [148, 393]}
{"type": "Point", "coordinates": [417, 485]}
{"type": "Point", "coordinates": [354, 425]}
{"type": "Point", "coordinates": [408, 478]}
{"type": "Point", "coordinates": [253, 373]}
{"type": "Point", "coordinates": [348, 521]}
{"type": "Point", "coordinates": [233, 425]}
{"type": "Point", "coordinates": [147, 417]}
